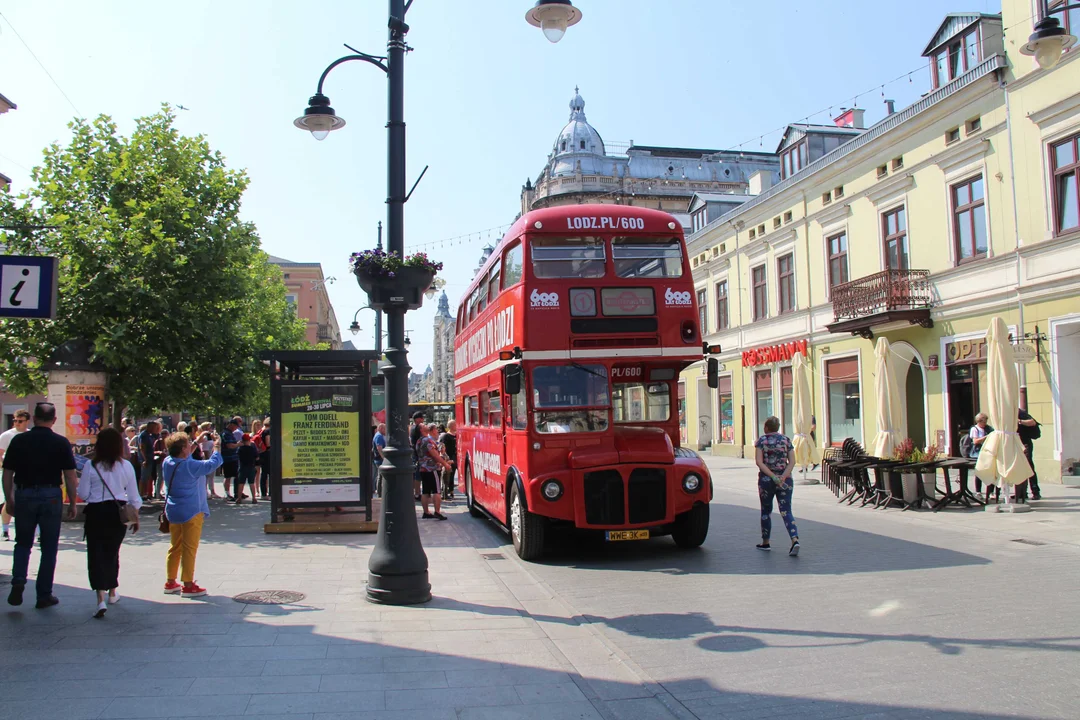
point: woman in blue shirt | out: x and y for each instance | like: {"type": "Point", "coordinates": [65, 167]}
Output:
{"type": "Point", "coordinates": [186, 509]}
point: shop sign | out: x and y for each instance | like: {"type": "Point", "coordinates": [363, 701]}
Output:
{"type": "Point", "coordinates": [965, 351]}
{"type": "Point", "coordinates": [1023, 353]}
{"type": "Point", "coordinates": [774, 353]}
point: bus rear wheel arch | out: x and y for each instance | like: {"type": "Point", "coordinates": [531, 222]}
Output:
{"type": "Point", "coordinates": [470, 499]}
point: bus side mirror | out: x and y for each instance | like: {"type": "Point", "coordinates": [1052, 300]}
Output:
{"type": "Point", "coordinates": [511, 379]}
{"type": "Point", "coordinates": [713, 366]}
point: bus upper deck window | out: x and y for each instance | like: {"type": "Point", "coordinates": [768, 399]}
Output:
{"type": "Point", "coordinates": [512, 266]}
{"type": "Point", "coordinates": [647, 257]}
{"type": "Point", "coordinates": [566, 257]}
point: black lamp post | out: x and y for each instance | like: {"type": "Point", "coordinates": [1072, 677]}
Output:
{"type": "Point", "coordinates": [1049, 40]}
{"type": "Point", "coordinates": [397, 569]}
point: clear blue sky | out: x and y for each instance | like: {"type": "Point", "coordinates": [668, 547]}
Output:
{"type": "Point", "coordinates": [486, 96]}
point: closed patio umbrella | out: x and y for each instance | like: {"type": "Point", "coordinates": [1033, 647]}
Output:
{"type": "Point", "coordinates": [806, 452]}
{"type": "Point", "coordinates": [1002, 454]}
{"type": "Point", "coordinates": [889, 417]}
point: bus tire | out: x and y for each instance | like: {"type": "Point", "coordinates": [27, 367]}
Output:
{"type": "Point", "coordinates": [692, 527]}
{"type": "Point", "coordinates": [526, 529]}
{"type": "Point", "coordinates": [470, 502]}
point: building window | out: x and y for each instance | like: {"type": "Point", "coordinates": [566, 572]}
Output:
{"type": "Point", "coordinates": [842, 379]}
{"type": "Point", "coordinates": [727, 410]}
{"type": "Point", "coordinates": [763, 398]}
{"type": "Point", "coordinates": [1065, 159]}
{"type": "Point", "coordinates": [721, 305]}
{"type": "Point", "coordinates": [785, 270]}
{"type": "Point", "coordinates": [952, 136]}
{"type": "Point", "coordinates": [582, 144]}
{"type": "Point", "coordinates": [826, 198]}
{"type": "Point", "coordinates": [897, 163]}
{"type": "Point", "coordinates": [838, 263]}
{"type": "Point", "coordinates": [955, 59]}
{"type": "Point", "coordinates": [703, 311]}
{"type": "Point", "coordinates": [882, 171]}
{"type": "Point", "coordinates": [787, 416]}
{"type": "Point", "coordinates": [761, 292]}
{"type": "Point", "coordinates": [787, 217]}
{"type": "Point", "coordinates": [761, 229]}
{"type": "Point", "coordinates": [838, 192]}
{"type": "Point", "coordinates": [969, 219]}
{"type": "Point", "coordinates": [290, 300]}
{"type": "Point", "coordinates": [973, 126]}
{"type": "Point", "coordinates": [1069, 19]}
{"type": "Point", "coordinates": [894, 228]}
{"type": "Point", "coordinates": [753, 233]}
{"type": "Point", "coordinates": [776, 222]}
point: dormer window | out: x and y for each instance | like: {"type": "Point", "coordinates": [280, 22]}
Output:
{"type": "Point", "coordinates": [960, 54]}
{"type": "Point", "coordinates": [582, 144]}
{"type": "Point", "coordinates": [564, 145]}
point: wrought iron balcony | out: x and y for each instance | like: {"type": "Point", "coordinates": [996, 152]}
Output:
{"type": "Point", "coordinates": [884, 297]}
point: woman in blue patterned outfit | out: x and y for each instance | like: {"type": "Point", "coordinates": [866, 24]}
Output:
{"type": "Point", "coordinates": [775, 458]}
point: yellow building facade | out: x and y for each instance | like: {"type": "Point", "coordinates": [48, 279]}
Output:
{"type": "Point", "coordinates": [919, 229]}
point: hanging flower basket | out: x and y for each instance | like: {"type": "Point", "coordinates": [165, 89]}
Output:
{"type": "Point", "coordinates": [390, 281]}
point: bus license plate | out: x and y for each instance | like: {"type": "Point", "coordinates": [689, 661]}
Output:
{"type": "Point", "coordinates": [613, 535]}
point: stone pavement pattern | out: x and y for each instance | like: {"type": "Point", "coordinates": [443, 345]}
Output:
{"type": "Point", "coordinates": [884, 615]}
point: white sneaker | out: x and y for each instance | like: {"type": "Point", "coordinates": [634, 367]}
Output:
{"type": "Point", "coordinates": [101, 608]}
{"type": "Point", "coordinates": [114, 597]}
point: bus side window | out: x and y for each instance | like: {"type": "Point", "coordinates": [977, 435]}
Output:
{"type": "Point", "coordinates": [472, 407]}
{"type": "Point", "coordinates": [493, 282]}
{"type": "Point", "coordinates": [481, 295]}
{"type": "Point", "coordinates": [494, 409]}
{"type": "Point", "coordinates": [512, 266]}
{"type": "Point", "coordinates": [518, 415]}
{"type": "Point", "coordinates": [484, 408]}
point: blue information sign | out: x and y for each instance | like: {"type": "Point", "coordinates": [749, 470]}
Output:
{"type": "Point", "coordinates": [27, 286]}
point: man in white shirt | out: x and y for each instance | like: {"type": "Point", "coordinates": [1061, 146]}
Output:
{"type": "Point", "coordinates": [21, 425]}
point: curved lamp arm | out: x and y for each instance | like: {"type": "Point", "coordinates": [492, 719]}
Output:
{"type": "Point", "coordinates": [372, 59]}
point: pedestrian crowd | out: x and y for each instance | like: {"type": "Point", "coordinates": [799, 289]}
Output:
{"type": "Point", "coordinates": [115, 477]}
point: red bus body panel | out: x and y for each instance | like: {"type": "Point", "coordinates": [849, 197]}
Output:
{"type": "Point", "coordinates": [533, 320]}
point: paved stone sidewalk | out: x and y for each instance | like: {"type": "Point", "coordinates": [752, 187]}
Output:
{"type": "Point", "coordinates": [476, 651]}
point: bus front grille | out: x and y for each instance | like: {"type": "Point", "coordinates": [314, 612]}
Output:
{"type": "Point", "coordinates": [648, 495]}
{"type": "Point", "coordinates": [604, 498]}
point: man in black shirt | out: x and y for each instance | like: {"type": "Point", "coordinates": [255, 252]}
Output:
{"type": "Point", "coordinates": [35, 464]}
{"type": "Point", "coordinates": [1028, 430]}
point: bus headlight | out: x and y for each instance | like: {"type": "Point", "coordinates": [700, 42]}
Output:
{"type": "Point", "coordinates": [552, 490]}
{"type": "Point", "coordinates": [691, 483]}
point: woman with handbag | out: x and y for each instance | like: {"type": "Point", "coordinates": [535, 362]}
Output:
{"type": "Point", "coordinates": [112, 498]}
{"type": "Point", "coordinates": [185, 510]}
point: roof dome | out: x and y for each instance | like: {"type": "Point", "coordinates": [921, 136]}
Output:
{"type": "Point", "coordinates": [578, 136]}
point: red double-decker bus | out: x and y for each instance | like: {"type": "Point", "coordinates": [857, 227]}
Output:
{"type": "Point", "coordinates": [569, 345]}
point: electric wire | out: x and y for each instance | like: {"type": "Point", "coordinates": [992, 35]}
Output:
{"type": "Point", "coordinates": [41, 65]}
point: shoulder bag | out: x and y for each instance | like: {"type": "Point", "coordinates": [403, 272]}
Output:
{"type": "Point", "coordinates": [163, 519]}
{"type": "Point", "coordinates": [128, 514]}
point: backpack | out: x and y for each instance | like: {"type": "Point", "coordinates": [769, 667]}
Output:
{"type": "Point", "coordinates": [966, 446]}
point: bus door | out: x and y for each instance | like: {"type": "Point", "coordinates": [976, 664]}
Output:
{"type": "Point", "coordinates": [515, 419]}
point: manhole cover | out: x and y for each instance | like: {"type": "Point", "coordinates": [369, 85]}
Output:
{"type": "Point", "coordinates": [269, 597]}
{"type": "Point", "coordinates": [1024, 541]}
{"type": "Point", "coordinates": [493, 556]}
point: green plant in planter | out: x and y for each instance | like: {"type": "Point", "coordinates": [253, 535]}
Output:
{"type": "Point", "coordinates": [393, 281]}
{"type": "Point", "coordinates": [908, 453]}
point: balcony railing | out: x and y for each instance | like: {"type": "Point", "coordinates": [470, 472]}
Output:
{"type": "Point", "coordinates": [883, 292]}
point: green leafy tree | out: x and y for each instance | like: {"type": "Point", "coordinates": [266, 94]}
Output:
{"type": "Point", "coordinates": [156, 269]}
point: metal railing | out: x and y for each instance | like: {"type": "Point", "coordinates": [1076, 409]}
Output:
{"type": "Point", "coordinates": [882, 292]}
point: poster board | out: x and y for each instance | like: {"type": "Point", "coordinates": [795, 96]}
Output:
{"type": "Point", "coordinates": [84, 413]}
{"type": "Point", "coordinates": [322, 444]}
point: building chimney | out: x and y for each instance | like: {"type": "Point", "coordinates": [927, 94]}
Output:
{"type": "Point", "coordinates": [850, 118]}
{"type": "Point", "coordinates": [760, 182]}
{"type": "Point", "coordinates": [890, 107]}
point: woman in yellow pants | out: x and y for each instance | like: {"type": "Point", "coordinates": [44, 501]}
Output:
{"type": "Point", "coordinates": [186, 508]}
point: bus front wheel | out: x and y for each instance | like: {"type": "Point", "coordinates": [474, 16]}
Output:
{"type": "Point", "coordinates": [470, 499]}
{"type": "Point", "coordinates": [526, 529]}
{"type": "Point", "coordinates": [692, 527]}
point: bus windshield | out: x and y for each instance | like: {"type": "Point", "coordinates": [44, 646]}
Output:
{"type": "Point", "coordinates": [570, 398]}
{"type": "Point", "coordinates": [567, 257]}
{"type": "Point", "coordinates": [647, 257]}
{"type": "Point", "coordinates": [641, 402]}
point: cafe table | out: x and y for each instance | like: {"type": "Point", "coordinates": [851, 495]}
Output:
{"type": "Point", "coordinates": [962, 495]}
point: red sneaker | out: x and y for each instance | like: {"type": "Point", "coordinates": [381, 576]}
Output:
{"type": "Point", "coordinates": [191, 590]}
{"type": "Point", "coordinates": [172, 587]}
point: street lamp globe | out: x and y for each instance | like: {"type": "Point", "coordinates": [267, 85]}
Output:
{"type": "Point", "coordinates": [319, 118]}
{"type": "Point", "coordinates": [1048, 42]}
{"type": "Point", "coordinates": [354, 328]}
{"type": "Point", "coordinates": [553, 17]}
